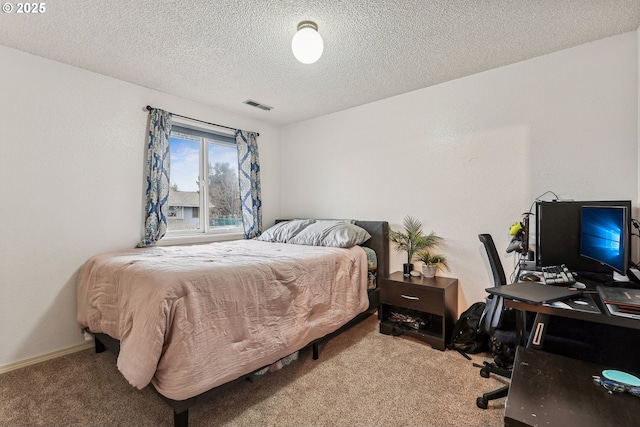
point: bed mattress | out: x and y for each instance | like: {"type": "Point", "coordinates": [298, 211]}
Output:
{"type": "Point", "coordinates": [190, 318]}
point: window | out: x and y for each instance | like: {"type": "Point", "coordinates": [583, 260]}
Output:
{"type": "Point", "coordinates": [204, 196]}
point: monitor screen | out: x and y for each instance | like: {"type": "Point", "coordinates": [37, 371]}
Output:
{"type": "Point", "coordinates": [557, 234]}
{"type": "Point", "coordinates": [603, 236]}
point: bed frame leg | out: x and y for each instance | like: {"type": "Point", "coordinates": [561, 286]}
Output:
{"type": "Point", "coordinates": [316, 351]}
{"type": "Point", "coordinates": [181, 419]}
{"type": "Point", "coordinates": [98, 345]}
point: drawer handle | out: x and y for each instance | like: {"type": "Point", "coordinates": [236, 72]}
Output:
{"type": "Point", "coordinates": [410, 297]}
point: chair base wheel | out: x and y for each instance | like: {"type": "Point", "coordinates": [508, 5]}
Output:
{"type": "Point", "coordinates": [482, 403]}
{"type": "Point", "coordinates": [484, 373]}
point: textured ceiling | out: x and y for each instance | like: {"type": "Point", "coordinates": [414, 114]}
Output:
{"type": "Point", "coordinates": [222, 53]}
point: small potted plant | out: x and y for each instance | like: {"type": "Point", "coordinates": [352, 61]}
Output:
{"type": "Point", "coordinates": [432, 263]}
{"type": "Point", "coordinates": [412, 240]}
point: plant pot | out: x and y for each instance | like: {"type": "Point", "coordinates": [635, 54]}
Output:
{"type": "Point", "coordinates": [407, 268]}
{"type": "Point", "coordinates": [429, 271]}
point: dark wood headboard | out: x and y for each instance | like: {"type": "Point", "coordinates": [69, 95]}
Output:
{"type": "Point", "coordinates": [379, 242]}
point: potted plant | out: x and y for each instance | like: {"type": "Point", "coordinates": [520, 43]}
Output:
{"type": "Point", "coordinates": [432, 263]}
{"type": "Point", "coordinates": [412, 240]}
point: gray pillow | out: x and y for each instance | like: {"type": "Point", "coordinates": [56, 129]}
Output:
{"type": "Point", "coordinates": [338, 234]}
{"type": "Point", "coordinates": [282, 232]}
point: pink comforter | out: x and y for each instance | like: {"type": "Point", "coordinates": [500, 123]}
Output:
{"type": "Point", "coordinates": [190, 318]}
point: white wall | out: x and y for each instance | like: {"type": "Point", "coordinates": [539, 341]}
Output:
{"type": "Point", "coordinates": [471, 155]}
{"type": "Point", "coordinates": [72, 162]}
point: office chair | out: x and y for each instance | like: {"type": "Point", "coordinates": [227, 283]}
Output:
{"type": "Point", "coordinates": [503, 324]}
{"type": "Point", "coordinates": [498, 322]}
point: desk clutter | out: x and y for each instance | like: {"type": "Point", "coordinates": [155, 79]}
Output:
{"type": "Point", "coordinates": [584, 302]}
{"type": "Point", "coordinates": [624, 302]}
{"type": "Point", "coordinates": [618, 381]}
{"type": "Point", "coordinates": [619, 301]}
{"type": "Point", "coordinates": [537, 293]}
{"type": "Point", "coordinates": [552, 390]}
{"type": "Point", "coordinates": [534, 293]}
{"type": "Point", "coordinates": [557, 275]}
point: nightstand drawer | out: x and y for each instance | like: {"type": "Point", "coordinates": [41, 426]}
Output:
{"type": "Point", "coordinates": [412, 297]}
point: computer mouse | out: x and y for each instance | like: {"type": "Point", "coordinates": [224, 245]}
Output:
{"type": "Point", "coordinates": [579, 285]}
{"type": "Point", "coordinates": [529, 277]}
{"type": "Point", "coordinates": [561, 304]}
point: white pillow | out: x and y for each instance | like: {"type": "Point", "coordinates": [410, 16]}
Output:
{"type": "Point", "coordinates": [282, 232]}
{"type": "Point", "coordinates": [338, 234]}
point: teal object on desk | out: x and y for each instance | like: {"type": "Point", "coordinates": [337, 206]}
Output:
{"type": "Point", "coordinates": [621, 377]}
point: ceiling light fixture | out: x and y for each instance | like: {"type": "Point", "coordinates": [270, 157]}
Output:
{"type": "Point", "coordinates": [307, 44]}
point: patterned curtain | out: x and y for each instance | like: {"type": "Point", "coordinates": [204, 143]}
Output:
{"type": "Point", "coordinates": [157, 191]}
{"type": "Point", "coordinates": [249, 174]}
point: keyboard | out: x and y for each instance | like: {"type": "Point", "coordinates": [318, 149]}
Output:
{"type": "Point", "coordinates": [558, 275]}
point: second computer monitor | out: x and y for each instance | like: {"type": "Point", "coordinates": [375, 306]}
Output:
{"type": "Point", "coordinates": [558, 234]}
{"type": "Point", "coordinates": [604, 236]}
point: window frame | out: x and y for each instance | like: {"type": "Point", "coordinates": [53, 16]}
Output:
{"type": "Point", "coordinates": [205, 233]}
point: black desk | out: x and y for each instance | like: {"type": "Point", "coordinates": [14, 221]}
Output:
{"type": "Point", "coordinates": [543, 313]}
{"type": "Point", "coordinates": [551, 390]}
{"type": "Point", "coordinates": [603, 317]}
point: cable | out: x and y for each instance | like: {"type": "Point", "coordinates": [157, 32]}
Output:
{"type": "Point", "coordinates": [515, 274]}
{"type": "Point", "coordinates": [545, 193]}
{"type": "Point", "coordinates": [519, 260]}
{"type": "Point", "coordinates": [537, 199]}
{"type": "Point", "coordinates": [636, 225]}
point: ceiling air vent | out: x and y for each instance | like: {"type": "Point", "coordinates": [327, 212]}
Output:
{"type": "Point", "coordinates": [257, 105]}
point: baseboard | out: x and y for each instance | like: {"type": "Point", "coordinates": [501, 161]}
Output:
{"type": "Point", "coordinates": [45, 357]}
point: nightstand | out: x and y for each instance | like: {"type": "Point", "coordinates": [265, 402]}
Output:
{"type": "Point", "coordinates": [435, 297]}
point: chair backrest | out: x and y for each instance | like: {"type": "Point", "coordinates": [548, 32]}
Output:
{"type": "Point", "coordinates": [499, 278]}
{"type": "Point", "coordinates": [493, 312]}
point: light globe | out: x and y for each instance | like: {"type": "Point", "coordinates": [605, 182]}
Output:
{"type": "Point", "coordinates": [307, 44]}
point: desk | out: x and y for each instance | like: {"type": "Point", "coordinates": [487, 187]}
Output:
{"type": "Point", "coordinates": [604, 317]}
{"type": "Point", "coordinates": [543, 312]}
{"type": "Point", "coordinates": [516, 295]}
{"type": "Point", "coordinates": [551, 390]}
{"type": "Point", "coordinates": [555, 388]}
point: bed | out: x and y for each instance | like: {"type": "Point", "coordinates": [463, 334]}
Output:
{"type": "Point", "coordinates": [187, 319]}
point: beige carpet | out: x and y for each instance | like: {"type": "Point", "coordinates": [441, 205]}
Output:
{"type": "Point", "coordinates": [363, 378]}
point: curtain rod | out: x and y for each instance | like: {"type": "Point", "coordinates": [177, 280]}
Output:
{"type": "Point", "coordinates": [201, 121]}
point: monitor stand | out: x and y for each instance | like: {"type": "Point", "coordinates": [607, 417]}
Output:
{"type": "Point", "coordinates": [634, 275]}
{"type": "Point", "coordinates": [617, 277]}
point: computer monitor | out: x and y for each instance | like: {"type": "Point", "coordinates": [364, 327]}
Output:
{"type": "Point", "coordinates": [557, 234]}
{"type": "Point", "coordinates": [604, 236]}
